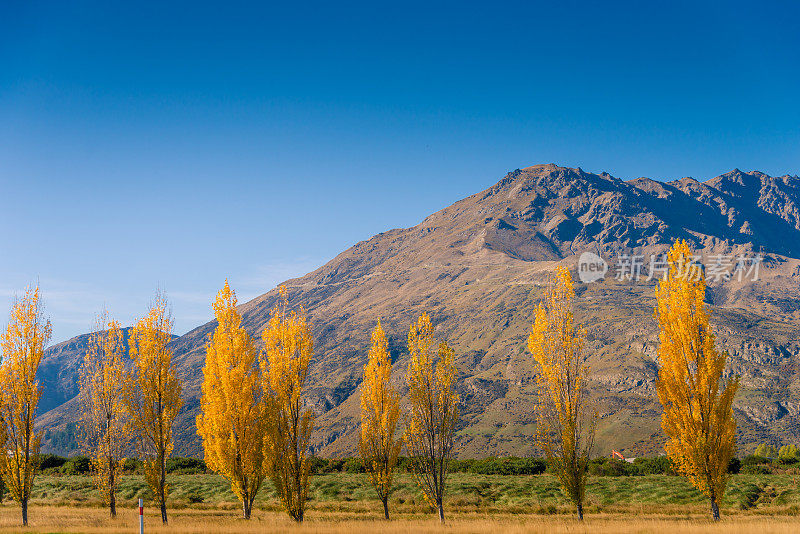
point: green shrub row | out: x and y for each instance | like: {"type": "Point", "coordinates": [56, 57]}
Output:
{"type": "Point", "coordinates": [756, 464]}
{"type": "Point", "coordinates": [81, 465]}
{"type": "Point", "coordinates": [659, 465]}
{"type": "Point", "coordinates": [520, 466]}
{"type": "Point", "coordinates": [501, 466]}
{"type": "Point", "coordinates": [487, 466]}
{"type": "Point", "coordinates": [53, 464]}
{"type": "Point", "coordinates": [760, 460]}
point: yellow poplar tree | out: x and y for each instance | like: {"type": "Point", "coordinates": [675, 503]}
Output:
{"type": "Point", "coordinates": [288, 348]}
{"type": "Point", "coordinates": [566, 419]}
{"type": "Point", "coordinates": [23, 344]}
{"type": "Point", "coordinates": [698, 403]}
{"type": "Point", "coordinates": [152, 395]}
{"type": "Point", "coordinates": [380, 409]}
{"type": "Point", "coordinates": [788, 452]}
{"type": "Point", "coordinates": [433, 411]}
{"type": "Point", "coordinates": [233, 419]}
{"type": "Point", "coordinates": [104, 427]}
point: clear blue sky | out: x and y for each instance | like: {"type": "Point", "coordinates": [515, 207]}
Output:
{"type": "Point", "coordinates": [173, 146]}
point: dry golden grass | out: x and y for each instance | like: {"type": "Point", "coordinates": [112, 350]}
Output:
{"type": "Point", "coordinates": [94, 520]}
{"type": "Point", "coordinates": [344, 503]}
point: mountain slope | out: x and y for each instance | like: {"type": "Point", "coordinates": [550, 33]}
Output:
{"type": "Point", "coordinates": [477, 267]}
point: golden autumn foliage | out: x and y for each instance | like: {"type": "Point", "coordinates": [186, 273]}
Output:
{"type": "Point", "coordinates": [152, 395]}
{"type": "Point", "coordinates": [380, 409]}
{"type": "Point", "coordinates": [566, 419]}
{"type": "Point", "coordinates": [104, 428]}
{"type": "Point", "coordinates": [233, 421]}
{"type": "Point", "coordinates": [433, 411]}
{"type": "Point", "coordinates": [698, 403]}
{"type": "Point", "coordinates": [288, 348]}
{"type": "Point", "coordinates": [23, 344]}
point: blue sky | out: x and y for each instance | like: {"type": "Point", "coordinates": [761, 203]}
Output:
{"type": "Point", "coordinates": [150, 146]}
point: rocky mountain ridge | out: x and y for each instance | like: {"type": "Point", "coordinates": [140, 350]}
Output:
{"type": "Point", "coordinates": [477, 267]}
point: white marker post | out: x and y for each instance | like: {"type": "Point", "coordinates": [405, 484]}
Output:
{"type": "Point", "coordinates": [141, 516]}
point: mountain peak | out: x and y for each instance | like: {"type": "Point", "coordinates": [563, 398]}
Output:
{"type": "Point", "coordinates": [544, 167]}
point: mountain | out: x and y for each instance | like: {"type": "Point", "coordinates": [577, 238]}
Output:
{"type": "Point", "coordinates": [478, 268]}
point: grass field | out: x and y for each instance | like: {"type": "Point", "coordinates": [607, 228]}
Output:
{"type": "Point", "coordinates": [476, 503]}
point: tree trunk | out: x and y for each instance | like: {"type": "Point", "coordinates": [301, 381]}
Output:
{"type": "Point", "coordinates": [24, 512]}
{"type": "Point", "coordinates": [112, 501]}
{"type": "Point", "coordinates": [441, 512]}
{"type": "Point", "coordinates": [298, 515]}
{"type": "Point", "coordinates": [246, 507]}
{"type": "Point", "coordinates": [580, 511]}
{"type": "Point", "coordinates": [714, 509]}
{"type": "Point", "coordinates": [162, 491]}
{"type": "Point", "coordinates": [385, 507]}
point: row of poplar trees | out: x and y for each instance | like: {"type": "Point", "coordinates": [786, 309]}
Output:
{"type": "Point", "coordinates": [121, 405]}
{"type": "Point", "coordinates": [255, 423]}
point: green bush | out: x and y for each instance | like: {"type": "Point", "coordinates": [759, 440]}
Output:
{"type": "Point", "coordinates": [752, 459]}
{"type": "Point", "coordinates": [404, 464]}
{"type": "Point", "coordinates": [336, 465]}
{"type": "Point", "coordinates": [734, 466]}
{"type": "Point", "coordinates": [462, 466]}
{"type": "Point", "coordinates": [756, 470]}
{"type": "Point", "coordinates": [658, 465]}
{"type": "Point", "coordinates": [318, 465]}
{"type": "Point", "coordinates": [51, 462]}
{"type": "Point", "coordinates": [508, 466]}
{"type": "Point", "coordinates": [354, 465]}
{"type": "Point", "coordinates": [132, 465]}
{"type": "Point", "coordinates": [77, 465]}
{"type": "Point", "coordinates": [327, 465]}
{"type": "Point", "coordinates": [611, 467]}
{"type": "Point", "coordinates": [186, 466]}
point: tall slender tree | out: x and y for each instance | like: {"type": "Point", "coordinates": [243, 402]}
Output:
{"type": "Point", "coordinates": [288, 348]}
{"type": "Point", "coordinates": [433, 411]}
{"type": "Point", "coordinates": [104, 428]}
{"type": "Point", "coordinates": [566, 418]}
{"type": "Point", "coordinates": [380, 409]}
{"type": "Point", "coordinates": [152, 395]}
{"type": "Point", "coordinates": [233, 419]}
{"type": "Point", "coordinates": [697, 401]}
{"type": "Point", "coordinates": [23, 344]}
